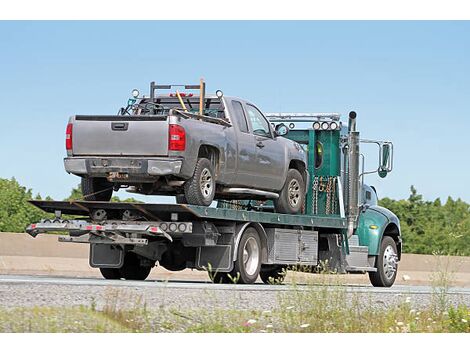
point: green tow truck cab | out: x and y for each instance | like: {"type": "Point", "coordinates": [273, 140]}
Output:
{"type": "Point", "coordinates": [341, 227]}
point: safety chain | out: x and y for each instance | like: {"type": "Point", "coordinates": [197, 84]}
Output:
{"type": "Point", "coordinates": [315, 195]}
{"type": "Point", "coordinates": [325, 185]}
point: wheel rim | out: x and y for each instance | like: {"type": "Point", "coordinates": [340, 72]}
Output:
{"type": "Point", "coordinates": [206, 183]}
{"type": "Point", "coordinates": [251, 256]}
{"type": "Point", "coordinates": [294, 193]}
{"type": "Point", "coordinates": [389, 262]}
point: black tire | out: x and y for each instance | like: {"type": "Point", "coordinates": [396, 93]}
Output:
{"type": "Point", "coordinates": [195, 191]}
{"type": "Point", "coordinates": [96, 189]}
{"type": "Point", "coordinates": [384, 277]}
{"type": "Point", "coordinates": [292, 196]}
{"type": "Point", "coordinates": [246, 272]}
{"type": "Point", "coordinates": [273, 274]}
{"type": "Point", "coordinates": [110, 273]}
{"type": "Point", "coordinates": [181, 199]}
{"type": "Point", "coordinates": [132, 270]}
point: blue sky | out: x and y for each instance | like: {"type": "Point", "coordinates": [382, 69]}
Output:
{"type": "Point", "coordinates": [408, 81]}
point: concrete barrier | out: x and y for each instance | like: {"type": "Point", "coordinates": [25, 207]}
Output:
{"type": "Point", "coordinates": [44, 255]}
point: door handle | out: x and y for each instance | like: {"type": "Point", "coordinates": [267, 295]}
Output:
{"type": "Point", "coordinates": [260, 145]}
{"type": "Point", "coordinates": [119, 126]}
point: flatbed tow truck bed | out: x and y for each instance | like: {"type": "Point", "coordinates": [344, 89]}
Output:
{"type": "Point", "coordinates": [188, 212]}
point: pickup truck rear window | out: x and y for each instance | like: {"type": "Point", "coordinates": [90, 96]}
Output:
{"type": "Point", "coordinates": [240, 116]}
{"type": "Point", "coordinates": [161, 106]}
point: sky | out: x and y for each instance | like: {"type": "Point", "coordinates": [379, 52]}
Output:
{"type": "Point", "coordinates": [409, 83]}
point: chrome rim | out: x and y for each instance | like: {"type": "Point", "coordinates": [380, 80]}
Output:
{"type": "Point", "coordinates": [390, 262]}
{"type": "Point", "coordinates": [294, 193]}
{"type": "Point", "coordinates": [206, 183]}
{"type": "Point", "coordinates": [251, 256]}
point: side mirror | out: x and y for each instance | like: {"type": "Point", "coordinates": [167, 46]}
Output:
{"type": "Point", "coordinates": [281, 130]}
{"type": "Point", "coordinates": [385, 160]}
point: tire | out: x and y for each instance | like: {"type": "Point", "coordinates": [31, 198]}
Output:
{"type": "Point", "coordinates": [181, 199]}
{"type": "Point", "coordinates": [200, 188]}
{"type": "Point", "coordinates": [386, 264]}
{"type": "Point", "coordinates": [273, 274]}
{"type": "Point", "coordinates": [132, 270]}
{"type": "Point", "coordinates": [292, 196]}
{"type": "Point", "coordinates": [110, 273]}
{"type": "Point", "coordinates": [247, 264]}
{"type": "Point", "coordinates": [96, 189]}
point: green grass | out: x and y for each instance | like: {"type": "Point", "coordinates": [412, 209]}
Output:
{"type": "Point", "coordinates": [316, 309]}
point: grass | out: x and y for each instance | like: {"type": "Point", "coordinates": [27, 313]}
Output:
{"type": "Point", "coordinates": [321, 307]}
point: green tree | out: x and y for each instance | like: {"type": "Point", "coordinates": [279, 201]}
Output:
{"type": "Point", "coordinates": [15, 211]}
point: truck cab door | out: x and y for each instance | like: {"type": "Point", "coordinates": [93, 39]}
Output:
{"type": "Point", "coordinates": [270, 154]}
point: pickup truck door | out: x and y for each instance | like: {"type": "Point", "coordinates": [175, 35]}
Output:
{"type": "Point", "coordinates": [246, 156]}
{"type": "Point", "coordinates": [270, 154]}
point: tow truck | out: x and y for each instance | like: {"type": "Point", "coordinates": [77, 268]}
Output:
{"type": "Point", "coordinates": [236, 241]}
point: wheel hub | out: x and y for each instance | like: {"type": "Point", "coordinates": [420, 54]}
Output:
{"type": "Point", "coordinates": [389, 262]}
{"type": "Point", "coordinates": [294, 193]}
{"type": "Point", "coordinates": [206, 183]}
{"type": "Point", "coordinates": [251, 256]}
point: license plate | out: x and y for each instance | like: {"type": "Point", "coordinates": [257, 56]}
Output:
{"type": "Point", "coordinates": [118, 175]}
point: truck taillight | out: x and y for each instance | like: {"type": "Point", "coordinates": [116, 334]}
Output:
{"type": "Point", "coordinates": [177, 138]}
{"type": "Point", "coordinates": [68, 137]}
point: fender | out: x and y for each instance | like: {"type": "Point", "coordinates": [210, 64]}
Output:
{"type": "Point", "coordinates": [262, 236]}
{"type": "Point", "coordinates": [372, 225]}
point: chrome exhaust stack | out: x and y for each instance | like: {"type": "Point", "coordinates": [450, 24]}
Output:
{"type": "Point", "coordinates": [353, 175]}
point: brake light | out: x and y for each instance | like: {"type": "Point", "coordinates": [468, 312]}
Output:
{"type": "Point", "coordinates": [68, 137]}
{"type": "Point", "coordinates": [177, 138]}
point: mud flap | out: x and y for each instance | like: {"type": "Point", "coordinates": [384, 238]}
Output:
{"type": "Point", "coordinates": [106, 255]}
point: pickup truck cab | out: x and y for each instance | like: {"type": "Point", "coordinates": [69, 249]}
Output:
{"type": "Point", "coordinates": [164, 145]}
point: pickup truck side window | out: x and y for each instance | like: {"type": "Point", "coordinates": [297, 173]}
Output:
{"type": "Point", "coordinates": [259, 124]}
{"type": "Point", "coordinates": [240, 116]}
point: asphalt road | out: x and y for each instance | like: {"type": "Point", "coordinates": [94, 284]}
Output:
{"type": "Point", "coordinates": [30, 291]}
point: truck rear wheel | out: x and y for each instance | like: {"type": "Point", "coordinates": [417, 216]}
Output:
{"type": "Point", "coordinates": [292, 196]}
{"type": "Point", "coordinates": [110, 273]}
{"type": "Point", "coordinates": [132, 269]}
{"type": "Point", "coordinates": [386, 264]}
{"type": "Point", "coordinates": [200, 188]}
{"type": "Point", "coordinates": [248, 261]}
{"type": "Point", "coordinates": [96, 189]}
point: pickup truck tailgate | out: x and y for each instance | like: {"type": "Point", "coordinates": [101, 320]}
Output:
{"type": "Point", "coordinates": [120, 135]}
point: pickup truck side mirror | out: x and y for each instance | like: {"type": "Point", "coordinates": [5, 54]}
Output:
{"type": "Point", "coordinates": [281, 130]}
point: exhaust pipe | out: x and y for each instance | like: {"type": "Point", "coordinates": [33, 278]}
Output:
{"type": "Point", "coordinates": [353, 175]}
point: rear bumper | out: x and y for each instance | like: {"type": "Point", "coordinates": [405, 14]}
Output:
{"type": "Point", "coordinates": [132, 167]}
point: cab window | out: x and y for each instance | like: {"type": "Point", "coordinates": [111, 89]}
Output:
{"type": "Point", "coordinates": [259, 124]}
{"type": "Point", "coordinates": [240, 116]}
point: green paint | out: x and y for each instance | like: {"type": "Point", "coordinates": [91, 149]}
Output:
{"type": "Point", "coordinates": [371, 237]}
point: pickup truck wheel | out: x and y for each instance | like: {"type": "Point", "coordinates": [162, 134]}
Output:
{"type": "Point", "coordinates": [247, 265]}
{"type": "Point", "coordinates": [386, 264]}
{"type": "Point", "coordinates": [96, 189]}
{"type": "Point", "coordinates": [132, 270]}
{"type": "Point", "coordinates": [292, 196]}
{"type": "Point", "coordinates": [110, 273]}
{"type": "Point", "coordinates": [200, 188]}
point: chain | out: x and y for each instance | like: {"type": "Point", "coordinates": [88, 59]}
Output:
{"type": "Point", "coordinates": [328, 196]}
{"type": "Point", "coordinates": [315, 195]}
{"type": "Point", "coordinates": [94, 193]}
{"type": "Point", "coordinates": [333, 195]}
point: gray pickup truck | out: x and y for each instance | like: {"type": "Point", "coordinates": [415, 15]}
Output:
{"type": "Point", "coordinates": [168, 144]}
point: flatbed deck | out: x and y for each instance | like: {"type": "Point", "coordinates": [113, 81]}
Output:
{"type": "Point", "coordinates": [186, 212]}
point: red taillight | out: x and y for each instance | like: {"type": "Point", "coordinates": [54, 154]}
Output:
{"type": "Point", "coordinates": [68, 137]}
{"type": "Point", "coordinates": [177, 138]}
